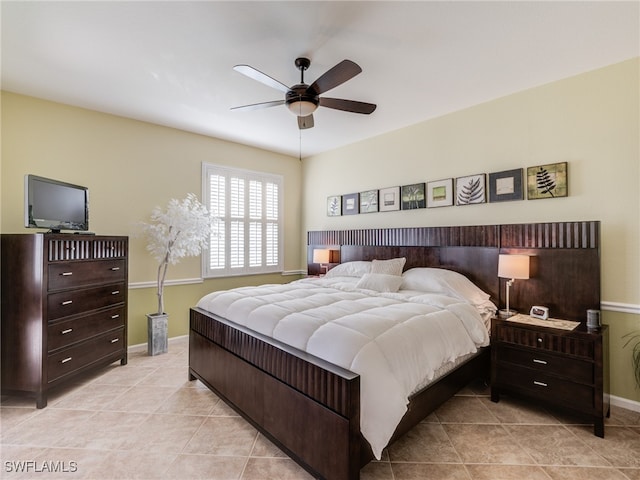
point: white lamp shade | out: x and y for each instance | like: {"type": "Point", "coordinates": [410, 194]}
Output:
{"type": "Point", "coordinates": [321, 255]}
{"type": "Point", "coordinates": [302, 108]}
{"type": "Point", "coordinates": [513, 266]}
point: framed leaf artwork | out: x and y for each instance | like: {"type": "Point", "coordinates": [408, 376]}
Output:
{"type": "Point", "coordinates": [350, 205]}
{"type": "Point", "coordinates": [547, 181]}
{"type": "Point", "coordinates": [334, 206]}
{"type": "Point", "coordinates": [440, 193]}
{"type": "Point", "coordinates": [389, 199]}
{"type": "Point", "coordinates": [470, 190]}
{"type": "Point", "coordinates": [506, 186]}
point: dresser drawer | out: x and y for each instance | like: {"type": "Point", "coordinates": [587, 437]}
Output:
{"type": "Point", "coordinates": [79, 274]}
{"type": "Point", "coordinates": [566, 344]}
{"type": "Point", "coordinates": [71, 359]}
{"type": "Point", "coordinates": [64, 304]}
{"type": "Point", "coordinates": [68, 332]}
{"type": "Point", "coordinates": [573, 369]}
{"type": "Point", "coordinates": [546, 387]}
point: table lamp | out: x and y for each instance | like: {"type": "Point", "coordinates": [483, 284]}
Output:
{"type": "Point", "coordinates": [512, 267]}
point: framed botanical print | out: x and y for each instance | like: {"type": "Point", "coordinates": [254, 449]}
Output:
{"type": "Point", "coordinates": [440, 193]}
{"type": "Point", "coordinates": [470, 190]}
{"type": "Point", "coordinates": [350, 205]}
{"type": "Point", "coordinates": [334, 206]}
{"type": "Point", "coordinates": [506, 186]}
{"type": "Point", "coordinates": [547, 181]}
{"type": "Point", "coordinates": [369, 201]}
{"type": "Point", "coordinates": [413, 196]}
{"type": "Point", "coordinates": [389, 199]}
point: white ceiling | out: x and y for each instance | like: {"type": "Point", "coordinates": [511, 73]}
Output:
{"type": "Point", "coordinates": [170, 63]}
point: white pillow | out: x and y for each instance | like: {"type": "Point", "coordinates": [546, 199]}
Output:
{"type": "Point", "coordinates": [393, 266]}
{"type": "Point", "coordinates": [380, 282]}
{"type": "Point", "coordinates": [350, 269]}
{"type": "Point", "coordinates": [448, 282]}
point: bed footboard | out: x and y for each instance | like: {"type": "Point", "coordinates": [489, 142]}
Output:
{"type": "Point", "coordinates": [308, 407]}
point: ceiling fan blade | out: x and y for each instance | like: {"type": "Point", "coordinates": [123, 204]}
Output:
{"type": "Point", "coordinates": [335, 76]}
{"type": "Point", "coordinates": [256, 106]}
{"type": "Point", "coordinates": [257, 75]}
{"type": "Point", "coordinates": [348, 105]}
{"type": "Point", "coordinates": [305, 122]}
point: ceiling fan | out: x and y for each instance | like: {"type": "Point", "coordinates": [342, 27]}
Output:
{"type": "Point", "coordinates": [302, 99]}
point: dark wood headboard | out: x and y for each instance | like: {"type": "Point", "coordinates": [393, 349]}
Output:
{"type": "Point", "coordinates": [565, 264]}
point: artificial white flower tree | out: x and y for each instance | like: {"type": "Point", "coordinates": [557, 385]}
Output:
{"type": "Point", "coordinates": [180, 231]}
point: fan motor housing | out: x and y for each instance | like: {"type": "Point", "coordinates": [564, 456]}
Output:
{"type": "Point", "coordinates": [300, 93]}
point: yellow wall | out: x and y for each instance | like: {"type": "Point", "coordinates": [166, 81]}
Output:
{"type": "Point", "coordinates": [590, 121]}
{"type": "Point", "coordinates": [130, 167]}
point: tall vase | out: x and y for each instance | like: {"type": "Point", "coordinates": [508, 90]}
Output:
{"type": "Point", "coordinates": [157, 333]}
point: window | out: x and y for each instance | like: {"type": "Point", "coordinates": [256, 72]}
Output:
{"type": "Point", "coordinates": [248, 235]}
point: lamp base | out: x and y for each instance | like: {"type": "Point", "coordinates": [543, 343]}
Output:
{"type": "Point", "coordinates": [503, 313]}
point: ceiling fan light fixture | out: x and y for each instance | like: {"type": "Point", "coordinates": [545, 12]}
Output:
{"type": "Point", "coordinates": [302, 108]}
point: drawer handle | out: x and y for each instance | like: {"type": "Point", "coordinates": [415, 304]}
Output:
{"type": "Point", "coordinates": [539, 340]}
{"type": "Point", "coordinates": [115, 316]}
{"type": "Point", "coordinates": [67, 302]}
{"type": "Point", "coordinates": [66, 274]}
{"type": "Point", "coordinates": [535, 360]}
{"type": "Point", "coordinates": [115, 269]}
{"type": "Point", "coordinates": [540, 384]}
{"type": "Point", "coordinates": [115, 292]}
{"type": "Point", "coordinates": [115, 340]}
{"type": "Point", "coordinates": [65, 360]}
{"type": "Point", "coordinates": [68, 330]}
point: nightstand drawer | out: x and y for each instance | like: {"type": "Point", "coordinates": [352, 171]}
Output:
{"type": "Point", "coordinates": [547, 387]}
{"type": "Point", "coordinates": [573, 369]}
{"type": "Point", "coordinates": [72, 359]}
{"type": "Point", "coordinates": [566, 344]}
{"type": "Point", "coordinates": [63, 334]}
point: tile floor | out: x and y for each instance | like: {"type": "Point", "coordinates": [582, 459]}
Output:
{"type": "Point", "coordinates": [146, 420]}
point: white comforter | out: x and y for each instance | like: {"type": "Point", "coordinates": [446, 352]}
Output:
{"type": "Point", "coordinates": [394, 341]}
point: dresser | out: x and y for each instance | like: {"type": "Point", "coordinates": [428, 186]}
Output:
{"type": "Point", "coordinates": [562, 368]}
{"type": "Point", "coordinates": [64, 308]}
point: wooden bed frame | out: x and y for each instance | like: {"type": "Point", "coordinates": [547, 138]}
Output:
{"type": "Point", "coordinates": [311, 408]}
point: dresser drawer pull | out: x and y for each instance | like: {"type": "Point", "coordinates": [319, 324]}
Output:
{"type": "Point", "coordinates": [115, 269]}
{"type": "Point", "coordinates": [115, 292]}
{"type": "Point", "coordinates": [68, 330]}
{"type": "Point", "coordinates": [66, 274]}
{"type": "Point", "coordinates": [113, 317]}
{"type": "Point", "coordinates": [542, 362]}
{"type": "Point", "coordinates": [540, 384]}
{"type": "Point", "coordinates": [65, 360]}
{"type": "Point", "coordinates": [539, 340]}
{"type": "Point", "coordinates": [67, 302]}
{"type": "Point", "coordinates": [115, 340]}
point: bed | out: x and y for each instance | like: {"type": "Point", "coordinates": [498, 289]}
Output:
{"type": "Point", "coordinates": [316, 409]}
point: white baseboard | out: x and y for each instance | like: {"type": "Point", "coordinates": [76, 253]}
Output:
{"type": "Point", "coordinates": [625, 403]}
{"type": "Point", "coordinates": [143, 346]}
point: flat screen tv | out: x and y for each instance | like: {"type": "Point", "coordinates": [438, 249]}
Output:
{"type": "Point", "coordinates": [55, 205]}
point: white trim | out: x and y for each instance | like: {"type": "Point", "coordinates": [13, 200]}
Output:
{"type": "Point", "coordinates": [620, 307]}
{"type": "Point", "coordinates": [294, 272]}
{"type": "Point", "coordinates": [193, 281]}
{"type": "Point", "coordinates": [143, 346]}
{"type": "Point", "coordinates": [625, 403]}
{"type": "Point", "coordinates": [152, 284]}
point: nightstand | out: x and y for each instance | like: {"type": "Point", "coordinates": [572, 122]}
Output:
{"type": "Point", "coordinates": [562, 368]}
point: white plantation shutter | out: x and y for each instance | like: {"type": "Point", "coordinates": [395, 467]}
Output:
{"type": "Point", "coordinates": [248, 205]}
